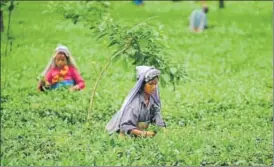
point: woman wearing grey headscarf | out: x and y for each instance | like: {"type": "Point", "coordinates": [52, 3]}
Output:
{"type": "Point", "coordinates": [141, 107]}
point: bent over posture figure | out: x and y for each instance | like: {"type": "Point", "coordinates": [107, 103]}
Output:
{"type": "Point", "coordinates": [61, 71]}
{"type": "Point", "coordinates": [198, 20]}
{"type": "Point", "coordinates": [141, 107]}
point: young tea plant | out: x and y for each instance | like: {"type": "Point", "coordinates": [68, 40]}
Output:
{"type": "Point", "coordinates": [141, 44]}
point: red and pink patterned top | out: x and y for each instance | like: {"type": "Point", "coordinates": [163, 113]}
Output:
{"type": "Point", "coordinates": [72, 74]}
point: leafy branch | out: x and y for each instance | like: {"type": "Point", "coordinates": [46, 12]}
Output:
{"type": "Point", "coordinates": [141, 45]}
{"type": "Point", "coordinates": [80, 11]}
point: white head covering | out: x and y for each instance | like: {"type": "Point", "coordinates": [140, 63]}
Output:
{"type": "Point", "coordinates": [51, 63]}
{"type": "Point", "coordinates": [144, 74]}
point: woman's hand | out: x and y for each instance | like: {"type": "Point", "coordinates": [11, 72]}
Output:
{"type": "Point", "coordinates": [150, 134]}
{"type": "Point", "coordinates": [39, 87]}
{"type": "Point", "coordinates": [142, 133]}
{"type": "Point", "coordinates": [41, 84]}
{"type": "Point", "coordinates": [74, 88]}
{"type": "Point", "coordinates": [47, 85]}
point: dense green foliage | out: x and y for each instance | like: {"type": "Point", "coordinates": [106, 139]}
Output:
{"type": "Point", "coordinates": [220, 114]}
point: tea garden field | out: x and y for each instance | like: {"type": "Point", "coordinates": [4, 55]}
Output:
{"type": "Point", "coordinates": [220, 113]}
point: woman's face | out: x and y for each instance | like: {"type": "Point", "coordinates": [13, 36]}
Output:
{"type": "Point", "coordinates": [60, 60]}
{"type": "Point", "coordinates": [150, 86]}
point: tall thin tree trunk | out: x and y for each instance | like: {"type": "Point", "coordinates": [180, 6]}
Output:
{"type": "Point", "coordinates": [1, 21]}
{"type": "Point", "coordinates": [8, 31]}
{"type": "Point", "coordinates": [221, 4]}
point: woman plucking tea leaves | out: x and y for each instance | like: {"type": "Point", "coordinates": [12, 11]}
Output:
{"type": "Point", "coordinates": [61, 71]}
{"type": "Point", "coordinates": [198, 19]}
{"type": "Point", "coordinates": [141, 107]}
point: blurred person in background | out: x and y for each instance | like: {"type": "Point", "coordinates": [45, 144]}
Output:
{"type": "Point", "coordinates": [198, 19]}
{"type": "Point", "coordinates": [138, 2]}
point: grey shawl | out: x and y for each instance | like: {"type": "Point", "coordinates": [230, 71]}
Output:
{"type": "Point", "coordinates": [144, 73]}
